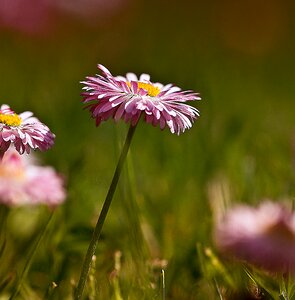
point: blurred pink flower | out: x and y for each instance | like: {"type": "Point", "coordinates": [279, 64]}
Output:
{"type": "Point", "coordinates": [128, 98]}
{"type": "Point", "coordinates": [41, 16]}
{"type": "Point", "coordinates": [24, 183]}
{"type": "Point", "coordinates": [24, 131]}
{"type": "Point", "coordinates": [263, 236]}
{"type": "Point", "coordinates": [29, 16]}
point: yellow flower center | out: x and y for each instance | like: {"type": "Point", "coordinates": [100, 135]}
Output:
{"type": "Point", "coordinates": [12, 168]}
{"type": "Point", "coordinates": [152, 90]}
{"type": "Point", "coordinates": [10, 120]}
{"type": "Point", "coordinates": [15, 173]}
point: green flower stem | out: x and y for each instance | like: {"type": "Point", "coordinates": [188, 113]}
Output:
{"type": "Point", "coordinates": [30, 259]}
{"type": "Point", "coordinates": [96, 234]}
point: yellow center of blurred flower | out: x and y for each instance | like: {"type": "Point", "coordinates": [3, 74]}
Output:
{"type": "Point", "coordinates": [10, 120]}
{"type": "Point", "coordinates": [11, 172]}
{"type": "Point", "coordinates": [12, 168]}
{"type": "Point", "coordinates": [152, 90]}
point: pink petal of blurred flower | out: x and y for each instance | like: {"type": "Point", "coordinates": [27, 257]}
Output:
{"type": "Point", "coordinates": [24, 183]}
{"type": "Point", "coordinates": [263, 236]}
{"type": "Point", "coordinates": [24, 131]}
{"type": "Point", "coordinates": [129, 97]}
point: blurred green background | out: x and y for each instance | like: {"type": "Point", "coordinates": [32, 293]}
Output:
{"type": "Point", "coordinates": [238, 54]}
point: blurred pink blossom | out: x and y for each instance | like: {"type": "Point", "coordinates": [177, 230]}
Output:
{"type": "Point", "coordinates": [22, 182]}
{"type": "Point", "coordinates": [29, 16]}
{"type": "Point", "coordinates": [39, 16]}
{"type": "Point", "coordinates": [263, 236]}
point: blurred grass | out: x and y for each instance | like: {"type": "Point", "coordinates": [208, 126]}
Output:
{"type": "Point", "coordinates": [245, 135]}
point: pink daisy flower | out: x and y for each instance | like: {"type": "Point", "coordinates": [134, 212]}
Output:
{"type": "Point", "coordinates": [263, 236]}
{"type": "Point", "coordinates": [24, 131]}
{"type": "Point", "coordinates": [129, 97]}
{"type": "Point", "coordinates": [24, 183]}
